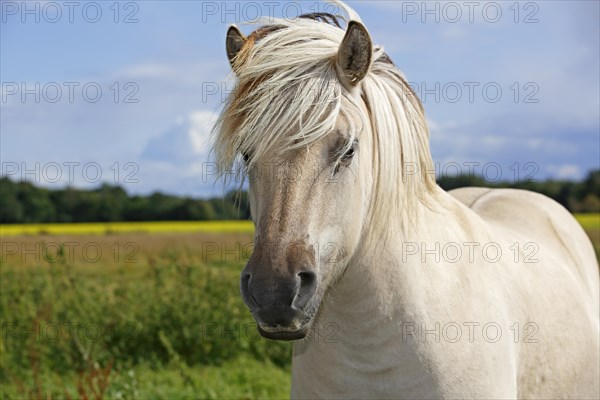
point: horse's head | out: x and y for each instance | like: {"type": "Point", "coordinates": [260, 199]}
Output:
{"type": "Point", "coordinates": [300, 118]}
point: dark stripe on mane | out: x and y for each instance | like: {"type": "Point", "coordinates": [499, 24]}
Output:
{"type": "Point", "coordinates": [323, 17]}
{"type": "Point", "coordinates": [384, 58]}
{"type": "Point", "coordinates": [263, 31]}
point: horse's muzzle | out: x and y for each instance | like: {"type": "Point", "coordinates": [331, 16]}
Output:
{"type": "Point", "coordinates": [279, 302]}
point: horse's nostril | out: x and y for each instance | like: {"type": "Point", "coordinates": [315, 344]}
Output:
{"type": "Point", "coordinates": [307, 278]}
{"type": "Point", "coordinates": [245, 281]}
{"type": "Point", "coordinates": [308, 287]}
{"type": "Point", "coordinates": [245, 289]}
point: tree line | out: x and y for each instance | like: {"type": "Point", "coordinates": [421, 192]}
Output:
{"type": "Point", "coordinates": [23, 202]}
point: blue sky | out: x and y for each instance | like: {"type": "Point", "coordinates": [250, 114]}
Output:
{"type": "Point", "coordinates": [509, 87]}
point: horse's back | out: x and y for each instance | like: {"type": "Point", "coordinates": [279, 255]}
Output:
{"type": "Point", "coordinates": [560, 288]}
{"type": "Point", "coordinates": [542, 221]}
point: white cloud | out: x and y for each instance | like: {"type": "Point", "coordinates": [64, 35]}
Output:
{"type": "Point", "coordinates": [565, 171]}
{"type": "Point", "coordinates": [185, 142]}
{"type": "Point", "coordinates": [493, 141]}
{"type": "Point", "coordinates": [179, 159]}
{"type": "Point", "coordinates": [534, 143]}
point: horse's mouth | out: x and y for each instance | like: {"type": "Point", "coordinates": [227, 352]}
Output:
{"type": "Point", "coordinates": [282, 333]}
{"type": "Point", "coordinates": [293, 325]}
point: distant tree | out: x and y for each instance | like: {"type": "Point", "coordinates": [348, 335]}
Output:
{"type": "Point", "coordinates": [137, 209]}
{"type": "Point", "coordinates": [112, 203]}
{"type": "Point", "coordinates": [190, 210]}
{"type": "Point", "coordinates": [11, 210]}
{"type": "Point", "coordinates": [590, 203]}
{"type": "Point", "coordinates": [592, 183]}
{"type": "Point", "coordinates": [65, 202]}
{"type": "Point", "coordinates": [86, 208]}
{"type": "Point", "coordinates": [208, 210]}
{"type": "Point", "coordinates": [36, 203]}
{"type": "Point", "coordinates": [162, 207]}
{"type": "Point", "coordinates": [218, 206]}
{"type": "Point", "coordinates": [239, 204]}
{"type": "Point", "coordinates": [448, 182]}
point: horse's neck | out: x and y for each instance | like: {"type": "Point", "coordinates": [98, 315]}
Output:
{"type": "Point", "coordinates": [388, 280]}
{"type": "Point", "coordinates": [375, 295]}
{"type": "Point", "coordinates": [375, 290]}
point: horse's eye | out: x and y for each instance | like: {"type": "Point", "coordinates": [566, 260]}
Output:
{"type": "Point", "coordinates": [351, 151]}
{"type": "Point", "coordinates": [349, 154]}
{"type": "Point", "coordinates": [246, 157]}
{"type": "Point", "coordinates": [346, 158]}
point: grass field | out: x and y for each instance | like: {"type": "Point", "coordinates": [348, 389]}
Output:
{"type": "Point", "coordinates": [136, 315]}
{"type": "Point", "coordinates": [141, 310]}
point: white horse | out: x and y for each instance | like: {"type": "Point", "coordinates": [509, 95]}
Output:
{"type": "Point", "coordinates": [392, 287]}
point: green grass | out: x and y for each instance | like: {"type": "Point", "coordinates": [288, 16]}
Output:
{"type": "Point", "coordinates": [171, 325]}
{"type": "Point", "coordinates": [243, 378]}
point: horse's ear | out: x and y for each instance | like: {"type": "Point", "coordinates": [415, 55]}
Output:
{"type": "Point", "coordinates": [355, 53]}
{"type": "Point", "coordinates": [234, 42]}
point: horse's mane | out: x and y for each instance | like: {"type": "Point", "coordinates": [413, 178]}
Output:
{"type": "Point", "coordinates": [288, 95]}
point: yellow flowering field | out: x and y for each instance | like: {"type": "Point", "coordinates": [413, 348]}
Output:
{"type": "Point", "coordinates": [101, 228]}
{"type": "Point", "coordinates": [589, 221]}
